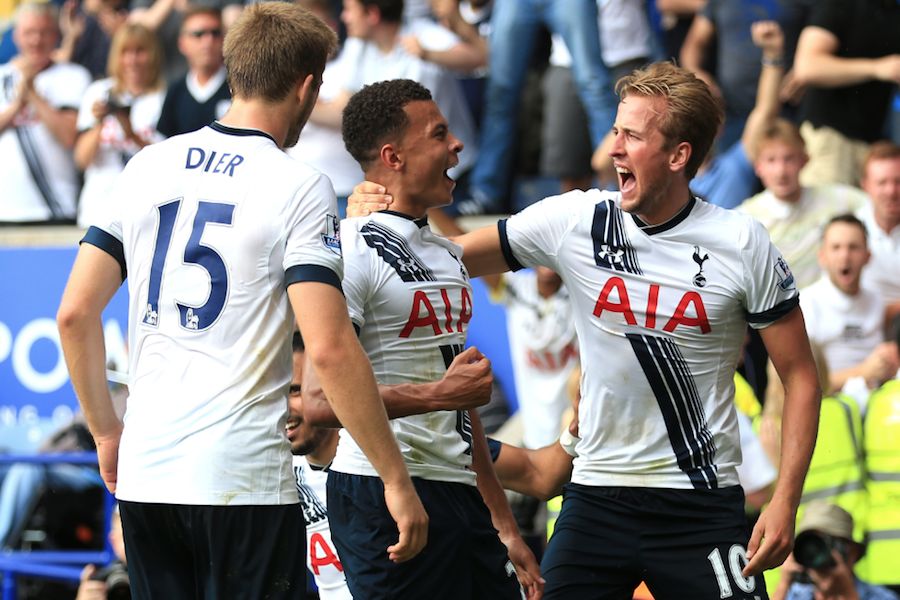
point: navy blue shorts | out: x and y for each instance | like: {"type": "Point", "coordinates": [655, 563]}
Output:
{"type": "Point", "coordinates": [682, 543]}
{"type": "Point", "coordinates": [225, 552]}
{"type": "Point", "coordinates": [464, 558]}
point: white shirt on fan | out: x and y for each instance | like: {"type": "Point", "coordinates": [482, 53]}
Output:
{"type": "Point", "coordinates": [115, 149]}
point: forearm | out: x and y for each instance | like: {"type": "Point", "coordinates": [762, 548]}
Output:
{"type": "Point", "coordinates": [61, 123]}
{"type": "Point", "coordinates": [81, 337]}
{"type": "Point", "coordinates": [329, 113]}
{"type": "Point", "coordinates": [800, 423]}
{"type": "Point", "coordinates": [9, 114]}
{"type": "Point", "coordinates": [400, 400]}
{"type": "Point", "coordinates": [829, 71]}
{"type": "Point", "coordinates": [488, 483]}
{"type": "Point", "coordinates": [462, 57]}
{"type": "Point", "coordinates": [86, 146]}
{"type": "Point", "coordinates": [152, 18]}
{"type": "Point", "coordinates": [767, 104]}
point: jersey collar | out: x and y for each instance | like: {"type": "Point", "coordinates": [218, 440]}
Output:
{"type": "Point", "coordinates": [680, 216]}
{"type": "Point", "coordinates": [238, 131]}
{"type": "Point", "coordinates": [420, 222]}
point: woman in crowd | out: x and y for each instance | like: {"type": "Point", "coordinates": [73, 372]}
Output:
{"type": "Point", "coordinates": [118, 116]}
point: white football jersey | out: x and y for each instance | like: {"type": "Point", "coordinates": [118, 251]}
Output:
{"type": "Point", "coordinates": [321, 555]}
{"type": "Point", "coordinates": [661, 313]}
{"type": "Point", "coordinates": [410, 297]}
{"type": "Point", "coordinates": [212, 227]}
{"type": "Point", "coordinates": [544, 351]}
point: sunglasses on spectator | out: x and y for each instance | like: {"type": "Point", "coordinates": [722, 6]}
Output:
{"type": "Point", "coordinates": [199, 33]}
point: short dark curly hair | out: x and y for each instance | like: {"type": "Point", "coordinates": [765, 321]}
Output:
{"type": "Point", "coordinates": [376, 113]}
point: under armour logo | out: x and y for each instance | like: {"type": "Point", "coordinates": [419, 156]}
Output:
{"type": "Point", "coordinates": [611, 253]}
{"type": "Point", "coordinates": [699, 278]}
{"type": "Point", "coordinates": [405, 264]}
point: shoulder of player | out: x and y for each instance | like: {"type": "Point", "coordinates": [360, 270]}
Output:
{"type": "Point", "coordinates": [728, 226]}
{"type": "Point", "coordinates": [574, 202]}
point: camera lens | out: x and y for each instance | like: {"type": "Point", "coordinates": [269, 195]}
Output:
{"type": "Point", "coordinates": [813, 550]}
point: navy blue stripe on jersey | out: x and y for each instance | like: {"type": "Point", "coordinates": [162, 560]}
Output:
{"type": "Point", "coordinates": [235, 131]}
{"type": "Point", "coordinates": [396, 252]}
{"type": "Point", "coordinates": [611, 247]}
{"type": "Point", "coordinates": [678, 218]}
{"type": "Point", "coordinates": [673, 386]}
{"type": "Point", "coordinates": [494, 448]}
{"type": "Point", "coordinates": [301, 273]}
{"type": "Point", "coordinates": [449, 352]}
{"type": "Point", "coordinates": [511, 262]}
{"type": "Point", "coordinates": [109, 244]}
{"type": "Point", "coordinates": [776, 312]}
{"type": "Point", "coordinates": [313, 509]}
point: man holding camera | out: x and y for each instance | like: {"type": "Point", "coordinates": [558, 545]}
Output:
{"type": "Point", "coordinates": [821, 565]}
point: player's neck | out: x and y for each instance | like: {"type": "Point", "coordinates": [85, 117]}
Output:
{"type": "Point", "coordinates": [325, 451]}
{"type": "Point", "coordinates": [256, 114]}
{"type": "Point", "coordinates": [670, 204]}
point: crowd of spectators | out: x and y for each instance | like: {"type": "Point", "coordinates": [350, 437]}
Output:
{"type": "Point", "coordinates": [809, 90]}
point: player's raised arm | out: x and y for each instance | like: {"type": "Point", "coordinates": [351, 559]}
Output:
{"type": "Point", "coordinates": [347, 380]}
{"type": "Point", "coordinates": [95, 277]}
{"type": "Point", "coordinates": [788, 347]}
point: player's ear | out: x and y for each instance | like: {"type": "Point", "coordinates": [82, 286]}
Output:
{"type": "Point", "coordinates": [307, 89]}
{"type": "Point", "coordinates": [680, 156]}
{"type": "Point", "coordinates": [390, 157]}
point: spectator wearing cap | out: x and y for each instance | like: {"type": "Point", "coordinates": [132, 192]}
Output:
{"type": "Point", "coordinates": [821, 565]}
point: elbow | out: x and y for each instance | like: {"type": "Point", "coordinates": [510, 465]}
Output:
{"type": "Point", "coordinates": [70, 319]}
{"type": "Point", "coordinates": [803, 71]}
{"type": "Point", "coordinates": [319, 414]}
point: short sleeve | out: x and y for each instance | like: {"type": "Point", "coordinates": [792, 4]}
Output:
{"type": "Point", "coordinates": [769, 286]}
{"type": "Point", "coordinates": [534, 236]}
{"type": "Point", "coordinates": [313, 240]}
{"type": "Point", "coordinates": [358, 274]}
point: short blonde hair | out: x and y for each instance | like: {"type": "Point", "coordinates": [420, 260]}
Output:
{"type": "Point", "coordinates": [693, 114]}
{"type": "Point", "coordinates": [274, 45]}
{"type": "Point", "coordinates": [126, 35]}
{"type": "Point", "coordinates": [779, 130]}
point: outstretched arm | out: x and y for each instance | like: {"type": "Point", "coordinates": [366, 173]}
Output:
{"type": "Point", "coordinates": [788, 347]}
{"type": "Point", "coordinates": [466, 384]}
{"type": "Point", "coordinates": [539, 473]}
{"type": "Point", "coordinates": [768, 36]}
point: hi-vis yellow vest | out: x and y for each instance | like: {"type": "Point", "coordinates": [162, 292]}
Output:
{"type": "Point", "coordinates": [836, 471]}
{"type": "Point", "coordinates": [881, 565]}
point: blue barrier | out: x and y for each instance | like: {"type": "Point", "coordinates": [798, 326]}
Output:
{"type": "Point", "coordinates": [54, 564]}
